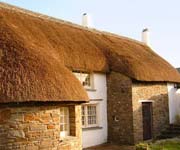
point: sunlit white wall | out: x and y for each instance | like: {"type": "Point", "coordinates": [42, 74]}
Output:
{"type": "Point", "coordinates": [96, 136]}
{"type": "Point", "coordinates": [174, 102]}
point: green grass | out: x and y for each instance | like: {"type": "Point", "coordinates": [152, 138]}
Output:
{"type": "Point", "coordinates": [167, 145]}
{"type": "Point", "coordinates": [160, 145]}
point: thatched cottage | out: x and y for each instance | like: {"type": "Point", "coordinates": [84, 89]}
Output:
{"type": "Point", "coordinates": [49, 67]}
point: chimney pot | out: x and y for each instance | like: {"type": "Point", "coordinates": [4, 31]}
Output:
{"type": "Point", "coordinates": [86, 20]}
{"type": "Point", "coordinates": [145, 36]}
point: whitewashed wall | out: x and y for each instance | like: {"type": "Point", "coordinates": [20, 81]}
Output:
{"type": "Point", "coordinates": [90, 136]}
{"type": "Point", "coordinates": [174, 102]}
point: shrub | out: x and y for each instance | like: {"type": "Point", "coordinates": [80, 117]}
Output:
{"type": "Point", "coordinates": [142, 146]}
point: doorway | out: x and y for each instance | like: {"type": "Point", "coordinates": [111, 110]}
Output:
{"type": "Point", "coordinates": [147, 120]}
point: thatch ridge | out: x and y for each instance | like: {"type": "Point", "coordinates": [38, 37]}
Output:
{"type": "Point", "coordinates": [50, 18]}
{"type": "Point", "coordinates": [38, 42]}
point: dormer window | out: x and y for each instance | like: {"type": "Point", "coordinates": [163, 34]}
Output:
{"type": "Point", "coordinates": [85, 79]}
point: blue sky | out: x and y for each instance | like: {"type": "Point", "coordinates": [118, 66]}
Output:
{"type": "Point", "coordinates": [124, 17]}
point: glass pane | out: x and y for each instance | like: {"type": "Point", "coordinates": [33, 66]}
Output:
{"type": "Point", "coordinates": [87, 80]}
{"type": "Point", "coordinates": [91, 114]}
{"type": "Point", "coordinates": [61, 128]}
{"type": "Point", "coordinates": [61, 111]}
{"type": "Point", "coordinates": [61, 119]}
{"type": "Point", "coordinates": [65, 127]}
{"type": "Point", "coordinates": [89, 119]}
{"type": "Point", "coordinates": [83, 110]}
{"type": "Point", "coordinates": [66, 111]}
{"type": "Point", "coordinates": [83, 120]}
{"type": "Point", "coordinates": [89, 110]}
{"type": "Point", "coordinates": [94, 119]}
{"type": "Point", "coordinates": [64, 119]}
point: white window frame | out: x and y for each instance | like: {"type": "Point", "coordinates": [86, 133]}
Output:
{"type": "Point", "coordinates": [86, 125]}
{"type": "Point", "coordinates": [64, 133]}
{"type": "Point", "coordinates": [91, 86]}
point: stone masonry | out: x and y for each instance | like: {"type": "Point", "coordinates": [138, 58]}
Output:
{"type": "Point", "coordinates": [125, 124]}
{"type": "Point", "coordinates": [157, 92]}
{"type": "Point", "coordinates": [24, 127]}
{"type": "Point", "coordinates": [120, 118]}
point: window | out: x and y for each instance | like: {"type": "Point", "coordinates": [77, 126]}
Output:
{"type": "Point", "coordinates": [89, 115]}
{"type": "Point", "coordinates": [64, 121]}
{"type": "Point", "coordinates": [84, 78]}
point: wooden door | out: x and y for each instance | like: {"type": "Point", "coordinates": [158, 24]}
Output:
{"type": "Point", "coordinates": [147, 120]}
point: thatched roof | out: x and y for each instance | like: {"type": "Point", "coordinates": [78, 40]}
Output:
{"type": "Point", "coordinates": [28, 73]}
{"type": "Point", "coordinates": [36, 51]}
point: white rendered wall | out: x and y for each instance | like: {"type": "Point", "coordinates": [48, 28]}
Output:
{"type": "Point", "coordinates": [174, 102]}
{"type": "Point", "coordinates": [90, 136]}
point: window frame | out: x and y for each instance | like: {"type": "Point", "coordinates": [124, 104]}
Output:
{"type": "Point", "coordinates": [86, 124]}
{"type": "Point", "coordinates": [64, 133]}
{"type": "Point", "coordinates": [91, 86]}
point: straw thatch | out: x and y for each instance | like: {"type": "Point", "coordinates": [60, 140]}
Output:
{"type": "Point", "coordinates": [35, 51]}
{"type": "Point", "coordinates": [30, 74]}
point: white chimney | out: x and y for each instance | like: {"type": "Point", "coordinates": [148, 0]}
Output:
{"type": "Point", "coordinates": [145, 36]}
{"type": "Point", "coordinates": [86, 20]}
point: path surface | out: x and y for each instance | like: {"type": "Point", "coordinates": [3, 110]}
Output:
{"type": "Point", "coordinates": [111, 147]}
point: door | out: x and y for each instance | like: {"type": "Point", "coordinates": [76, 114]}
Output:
{"type": "Point", "coordinates": [147, 120]}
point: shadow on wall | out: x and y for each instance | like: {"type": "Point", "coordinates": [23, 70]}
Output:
{"type": "Point", "coordinates": [160, 113]}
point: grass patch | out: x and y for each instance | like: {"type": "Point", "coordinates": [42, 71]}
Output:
{"type": "Point", "coordinates": [167, 145]}
{"type": "Point", "coordinates": [160, 145]}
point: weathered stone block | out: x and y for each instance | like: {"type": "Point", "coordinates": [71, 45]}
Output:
{"type": "Point", "coordinates": [37, 127]}
{"type": "Point", "coordinates": [4, 115]}
{"type": "Point", "coordinates": [29, 117]}
{"type": "Point", "coordinates": [15, 117]}
{"type": "Point", "coordinates": [16, 134]}
{"type": "Point", "coordinates": [51, 126]}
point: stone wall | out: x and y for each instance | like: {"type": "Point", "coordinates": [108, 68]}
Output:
{"type": "Point", "coordinates": [119, 102]}
{"type": "Point", "coordinates": [125, 124]}
{"type": "Point", "coordinates": [157, 92]}
{"type": "Point", "coordinates": [24, 127]}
